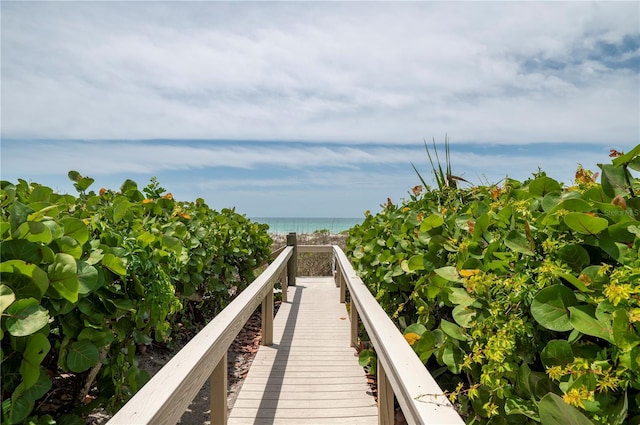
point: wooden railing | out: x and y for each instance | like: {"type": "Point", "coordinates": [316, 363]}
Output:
{"type": "Point", "coordinates": [164, 399]}
{"type": "Point", "coordinates": [401, 374]}
{"type": "Point", "coordinates": [400, 371]}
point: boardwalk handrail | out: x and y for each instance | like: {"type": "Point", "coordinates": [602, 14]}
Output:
{"type": "Point", "coordinates": [400, 371]}
{"type": "Point", "coordinates": [164, 399]}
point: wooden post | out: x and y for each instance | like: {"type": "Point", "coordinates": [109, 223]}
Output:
{"type": "Point", "coordinates": [385, 397]}
{"type": "Point", "coordinates": [292, 265]}
{"type": "Point", "coordinates": [354, 324]}
{"type": "Point", "coordinates": [338, 275]}
{"type": "Point", "coordinates": [343, 289]}
{"type": "Point", "coordinates": [267, 318]}
{"type": "Point", "coordinates": [218, 388]}
{"type": "Point", "coordinates": [283, 285]}
{"type": "Point", "coordinates": [333, 266]}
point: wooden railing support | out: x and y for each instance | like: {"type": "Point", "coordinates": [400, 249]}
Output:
{"type": "Point", "coordinates": [218, 388]}
{"type": "Point", "coordinates": [343, 290]}
{"type": "Point", "coordinates": [404, 378]}
{"type": "Point", "coordinates": [267, 319]}
{"type": "Point", "coordinates": [292, 264]}
{"type": "Point", "coordinates": [353, 315]}
{"type": "Point", "coordinates": [385, 397]}
{"type": "Point", "coordinates": [283, 285]}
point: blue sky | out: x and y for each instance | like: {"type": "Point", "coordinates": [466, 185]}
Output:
{"type": "Point", "coordinates": [319, 105]}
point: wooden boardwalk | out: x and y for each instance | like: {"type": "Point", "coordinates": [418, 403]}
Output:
{"type": "Point", "coordinates": [310, 375]}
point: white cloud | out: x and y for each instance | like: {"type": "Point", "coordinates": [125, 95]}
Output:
{"type": "Point", "coordinates": [381, 72]}
{"type": "Point", "coordinates": [104, 158]}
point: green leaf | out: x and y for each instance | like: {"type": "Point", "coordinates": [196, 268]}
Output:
{"type": "Point", "coordinates": [431, 222]}
{"type": "Point", "coordinates": [415, 328]}
{"type": "Point", "coordinates": [624, 334]}
{"type": "Point", "coordinates": [449, 273]}
{"type": "Point", "coordinates": [55, 228]}
{"type": "Point", "coordinates": [120, 207]}
{"type": "Point", "coordinates": [460, 296]}
{"type": "Point", "coordinates": [63, 276]}
{"type": "Point", "coordinates": [574, 256]}
{"type": "Point", "coordinates": [589, 325]}
{"type": "Point", "coordinates": [557, 352]}
{"type": "Point", "coordinates": [554, 411]}
{"type": "Point", "coordinates": [6, 297]}
{"type": "Point", "coordinates": [95, 256]}
{"type": "Point", "coordinates": [523, 384]}
{"type": "Point", "coordinates": [69, 246]}
{"type": "Point", "coordinates": [104, 338]}
{"type": "Point", "coordinates": [126, 304]}
{"type": "Point", "coordinates": [115, 264]}
{"type": "Point", "coordinates": [18, 214]}
{"type": "Point", "coordinates": [518, 406]}
{"type": "Point", "coordinates": [87, 277]}
{"type": "Point", "coordinates": [83, 183]}
{"type": "Point", "coordinates": [574, 281]}
{"type": "Point", "coordinates": [37, 348]}
{"type": "Point", "coordinates": [416, 263]}
{"type": "Point", "coordinates": [613, 180]}
{"type": "Point", "coordinates": [453, 330]}
{"type": "Point", "coordinates": [585, 224]}
{"type": "Point", "coordinates": [33, 272]}
{"type": "Point", "coordinates": [550, 307]}
{"type": "Point", "coordinates": [481, 226]}
{"type": "Point", "coordinates": [550, 201]}
{"type": "Point", "coordinates": [627, 157]}
{"type": "Point", "coordinates": [26, 317]}
{"type": "Point", "coordinates": [146, 238]}
{"type": "Point", "coordinates": [518, 243]}
{"type": "Point", "coordinates": [19, 409]}
{"type": "Point", "coordinates": [81, 356]}
{"type": "Point", "coordinates": [463, 315]}
{"type": "Point", "coordinates": [543, 185]}
{"type": "Point", "coordinates": [43, 210]}
{"type": "Point", "coordinates": [172, 243]}
{"type": "Point", "coordinates": [74, 176]}
{"type": "Point", "coordinates": [425, 346]}
{"type": "Point", "coordinates": [40, 388]}
{"type": "Point", "coordinates": [141, 338]}
{"type": "Point", "coordinates": [573, 205]}
{"type": "Point", "coordinates": [76, 229]}
{"type": "Point", "coordinates": [40, 194]}
{"type": "Point", "coordinates": [34, 231]}
{"type": "Point", "coordinates": [452, 356]}
{"type": "Point", "coordinates": [617, 414]}
{"type": "Point", "coordinates": [367, 358]}
{"type": "Point", "coordinates": [21, 249]}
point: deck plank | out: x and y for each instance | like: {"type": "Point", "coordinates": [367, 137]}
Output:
{"type": "Point", "coordinates": [310, 374]}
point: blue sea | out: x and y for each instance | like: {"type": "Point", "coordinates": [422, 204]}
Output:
{"type": "Point", "coordinates": [285, 225]}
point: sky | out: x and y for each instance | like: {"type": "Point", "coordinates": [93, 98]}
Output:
{"type": "Point", "coordinates": [312, 109]}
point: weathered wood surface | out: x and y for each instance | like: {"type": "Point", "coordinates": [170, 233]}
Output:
{"type": "Point", "coordinates": [400, 371]}
{"type": "Point", "coordinates": [310, 375]}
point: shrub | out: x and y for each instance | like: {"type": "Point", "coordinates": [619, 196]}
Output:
{"type": "Point", "coordinates": [87, 280]}
{"type": "Point", "coordinates": [522, 299]}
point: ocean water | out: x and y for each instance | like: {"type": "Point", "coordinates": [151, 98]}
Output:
{"type": "Point", "coordinates": [285, 225]}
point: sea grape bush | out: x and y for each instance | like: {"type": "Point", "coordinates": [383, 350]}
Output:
{"type": "Point", "coordinates": [523, 300]}
{"type": "Point", "coordinates": [88, 280]}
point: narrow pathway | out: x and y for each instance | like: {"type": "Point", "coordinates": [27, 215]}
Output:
{"type": "Point", "coordinates": [309, 375]}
